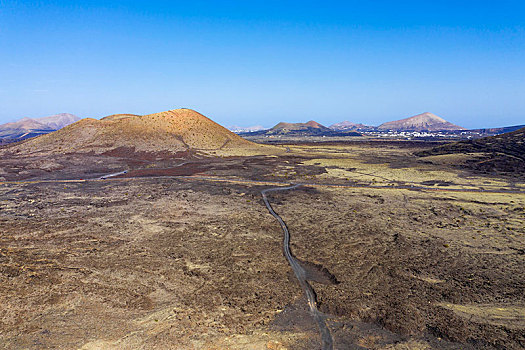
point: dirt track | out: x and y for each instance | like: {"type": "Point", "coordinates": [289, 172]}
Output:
{"type": "Point", "coordinates": [300, 272]}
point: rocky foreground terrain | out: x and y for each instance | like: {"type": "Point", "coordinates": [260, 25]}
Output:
{"type": "Point", "coordinates": [426, 256]}
{"type": "Point", "coordinates": [502, 154]}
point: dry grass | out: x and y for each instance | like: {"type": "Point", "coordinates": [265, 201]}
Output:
{"type": "Point", "coordinates": [149, 263]}
{"type": "Point", "coordinates": [511, 316]}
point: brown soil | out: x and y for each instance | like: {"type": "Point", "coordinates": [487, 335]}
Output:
{"type": "Point", "coordinates": [503, 154]}
{"type": "Point", "coordinates": [187, 263]}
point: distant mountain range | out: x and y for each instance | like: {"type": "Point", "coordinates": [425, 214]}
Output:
{"type": "Point", "coordinates": [27, 127]}
{"type": "Point", "coordinates": [425, 122]}
{"type": "Point", "coordinates": [311, 128]}
{"type": "Point", "coordinates": [422, 122]}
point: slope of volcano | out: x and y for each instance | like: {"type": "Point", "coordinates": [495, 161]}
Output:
{"type": "Point", "coordinates": [174, 131]}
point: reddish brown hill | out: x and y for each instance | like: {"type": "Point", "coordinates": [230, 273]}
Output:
{"type": "Point", "coordinates": [173, 131]}
{"type": "Point", "coordinates": [314, 124]}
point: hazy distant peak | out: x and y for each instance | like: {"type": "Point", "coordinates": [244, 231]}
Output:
{"type": "Point", "coordinates": [350, 126]}
{"type": "Point", "coordinates": [427, 116]}
{"type": "Point", "coordinates": [58, 121]}
{"type": "Point", "coordinates": [238, 129]}
{"type": "Point", "coordinates": [25, 124]}
{"type": "Point", "coordinates": [344, 123]}
{"type": "Point", "coordinates": [421, 122]}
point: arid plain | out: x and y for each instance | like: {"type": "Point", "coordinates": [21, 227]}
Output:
{"type": "Point", "coordinates": [181, 253]}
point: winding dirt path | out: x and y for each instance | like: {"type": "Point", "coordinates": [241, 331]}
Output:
{"type": "Point", "coordinates": [299, 271]}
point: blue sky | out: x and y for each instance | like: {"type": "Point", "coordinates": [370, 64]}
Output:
{"type": "Point", "coordinates": [261, 62]}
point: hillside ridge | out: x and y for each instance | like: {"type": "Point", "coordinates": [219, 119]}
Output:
{"type": "Point", "coordinates": [177, 130]}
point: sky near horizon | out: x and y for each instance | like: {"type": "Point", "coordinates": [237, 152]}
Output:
{"type": "Point", "coordinates": [262, 62]}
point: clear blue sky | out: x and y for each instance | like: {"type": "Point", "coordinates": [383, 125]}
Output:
{"type": "Point", "coordinates": [261, 62]}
